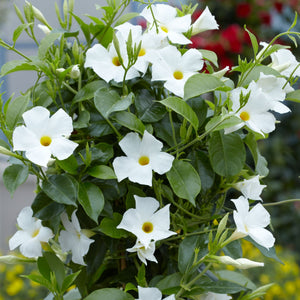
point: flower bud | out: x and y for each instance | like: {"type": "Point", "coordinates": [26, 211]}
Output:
{"type": "Point", "coordinates": [44, 28]}
{"type": "Point", "coordinates": [206, 21]}
{"type": "Point", "coordinates": [38, 15]}
{"type": "Point", "coordinates": [75, 72]}
{"type": "Point", "coordinates": [240, 263]}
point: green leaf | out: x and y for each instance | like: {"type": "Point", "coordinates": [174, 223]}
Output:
{"type": "Point", "coordinates": [47, 42]}
{"type": "Point", "coordinates": [200, 84]}
{"type": "Point", "coordinates": [169, 282]}
{"type": "Point", "coordinates": [18, 65]}
{"type": "Point", "coordinates": [253, 41]}
{"type": "Point", "coordinates": [126, 17]}
{"type": "Point", "coordinates": [39, 279]}
{"type": "Point", "coordinates": [102, 172]}
{"type": "Point", "coordinates": [61, 188]}
{"type": "Point", "coordinates": [109, 227]}
{"type": "Point", "coordinates": [83, 120]}
{"type": "Point", "coordinates": [69, 165]}
{"type": "Point", "coordinates": [88, 91]}
{"type": "Point", "coordinates": [227, 153]}
{"type": "Point", "coordinates": [129, 120]}
{"type": "Point", "coordinates": [109, 293]}
{"type": "Point", "coordinates": [210, 56]}
{"type": "Point", "coordinates": [293, 96]}
{"type": "Point", "coordinates": [220, 122]}
{"type": "Point", "coordinates": [184, 180]}
{"type": "Point", "coordinates": [186, 252]}
{"type": "Point", "coordinates": [15, 110]}
{"type": "Point", "coordinates": [182, 108]}
{"type": "Point", "coordinates": [19, 30]}
{"type": "Point", "coordinates": [68, 281]}
{"type": "Point", "coordinates": [236, 277]}
{"type": "Point", "coordinates": [199, 107]}
{"type": "Point", "coordinates": [91, 198]}
{"type": "Point", "coordinates": [234, 249]}
{"type": "Point", "coordinates": [14, 176]}
{"type": "Point", "coordinates": [44, 268]}
{"type": "Point", "coordinates": [56, 266]}
{"type": "Point", "coordinates": [108, 101]}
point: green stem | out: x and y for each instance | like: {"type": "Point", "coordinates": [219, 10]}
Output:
{"type": "Point", "coordinates": [8, 47]}
{"type": "Point", "coordinates": [282, 202]}
{"type": "Point", "coordinates": [69, 88]}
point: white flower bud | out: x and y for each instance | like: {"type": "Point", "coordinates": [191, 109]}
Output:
{"type": "Point", "coordinates": [44, 28]}
{"type": "Point", "coordinates": [206, 21]}
{"type": "Point", "coordinates": [38, 15]}
{"type": "Point", "coordinates": [240, 263]}
{"type": "Point", "coordinates": [75, 72]}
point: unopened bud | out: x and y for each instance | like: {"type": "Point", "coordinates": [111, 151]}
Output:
{"type": "Point", "coordinates": [240, 263]}
{"type": "Point", "coordinates": [44, 28]}
{"type": "Point", "coordinates": [75, 72]}
{"type": "Point", "coordinates": [38, 15]}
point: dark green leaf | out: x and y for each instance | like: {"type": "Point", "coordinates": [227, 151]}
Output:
{"type": "Point", "coordinates": [183, 109]}
{"type": "Point", "coordinates": [88, 91]}
{"type": "Point", "coordinates": [91, 199]}
{"type": "Point", "coordinates": [200, 84]}
{"type": "Point", "coordinates": [199, 107]}
{"type": "Point", "coordinates": [109, 227]}
{"type": "Point", "coordinates": [109, 293]}
{"type": "Point", "coordinates": [102, 172]}
{"type": "Point", "coordinates": [61, 188]}
{"type": "Point", "coordinates": [170, 281]}
{"type": "Point", "coordinates": [129, 120]}
{"type": "Point", "coordinates": [56, 266]}
{"type": "Point", "coordinates": [83, 120]}
{"type": "Point", "coordinates": [14, 176]}
{"type": "Point", "coordinates": [184, 180]}
{"type": "Point", "coordinates": [227, 153]}
{"type": "Point", "coordinates": [69, 164]}
{"type": "Point", "coordinates": [68, 281]}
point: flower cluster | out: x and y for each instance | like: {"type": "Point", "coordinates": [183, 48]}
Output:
{"type": "Point", "coordinates": [136, 148]}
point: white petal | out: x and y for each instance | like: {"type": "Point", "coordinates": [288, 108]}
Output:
{"type": "Point", "coordinates": [75, 221]}
{"type": "Point", "coordinates": [161, 162]}
{"type": "Point", "coordinates": [18, 239]}
{"type": "Point", "coordinates": [25, 219]}
{"type": "Point", "coordinates": [67, 224]}
{"type": "Point", "coordinates": [39, 155]}
{"type": "Point", "coordinates": [37, 118]}
{"type": "Point", "coordinates": [150, 144]}
{"type": "Point", "coordinates": [31, 248]}
{"type": "Point", "coordinates": [192, 60]}
{"type": "Point", "coordinates": [178, 38]}
{"type": "Point", "coordinates": [130, 144]}
{"type": "Point", "coordinates": [176, 86]}
{"type": "Point", "coordinates": [258, 217]}
{"type": "Point", "coordinates": [67, 240]}
{"type": "Point", "coordinates": [122, 166]}
{"type": "Point", "coordinates": [130, 221]}
{"type": "Point", "coordinates": [44, 234]}
{"type": "Point", "coordinates": [262, 236]}
{"type": "Point", "coordinates": [149, 293]}
{"type": "Point", "coordinates": [206, 21]}
{"type": "Point", "coordinates": [145, 206]}
{"type": "Point", "coordinates": [62, 148]}
{"type": "Point", "coordinates": [141, 174]}
{"type": "Point", "coordinates": [24, 139]}
{"type": "Point", "coordinates": [241, 205]}
{"type": "Point", "coordinates": [60, 124]}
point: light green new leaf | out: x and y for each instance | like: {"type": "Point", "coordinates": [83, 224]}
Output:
{"type": "Point", "coordinates": [129, 120]}
{"type": "Point", "coordinates": [253, 41]}
{"type": "Point", "coordinates": [109, 293]}
{"type": "Point", "coordinates": [61, 188]}
{"type": "Point", "coordinates": [102, 172]}
{"type": "Point", "coordinates": [47, 42]}
{"type": "Point", "coordinates": [18, 65]}
{"type": "Point", "coordinates": [200, 84]}
{"type": "Point", "coordinates": [108, 101]}
{"type": "Point", "coordinates": [227, 153]}
{"type": "Point", "coordinates": [182, 108]}
{"type": "Point", "coordinates": [184, 180]}
{"type": "Point", "coordinates": [91, 199]}
{"type": "Point", "coordinates": [14, 176]}
{"type": "Point", "coordinates": [19, 30]}
{"type": "Point", "coordinates": [126, 17]}
{"type": "Point", "coordinates": [210, 55]}
{"type": "Point", "coordinates": [15, 109]}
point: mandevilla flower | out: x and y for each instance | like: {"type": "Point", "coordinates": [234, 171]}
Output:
{"type": "Point", "coordinates": [144, 253]}
{"type": "Point", "coordinates": [152, 293]}
{"type": "Point", "coordinates": [239, 263]}
{"type": "Point", "coordinates": [73, 239]}
{"type": "Point", "coordinates": [170, 66]}
{"type": "Point", "coordinates": [44, 136]}
{"type": "Point", "coordinates": [30, 235]}
{"type": "Point", "coordinates": [252, 222]}
{"type": "Point", "coordinates": [250, 188]}
{"type": "Point", "coordinates": [146, 222]}
{"type": "Point", "coordinates": [206, 21]}
{"type": "Point", "coordinates": [169, 24]}
{"type": "Point", "coordinates": [143, 156]}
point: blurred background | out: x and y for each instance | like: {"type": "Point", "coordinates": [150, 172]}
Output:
{"type": "Point", "coordinates": [264, 18]}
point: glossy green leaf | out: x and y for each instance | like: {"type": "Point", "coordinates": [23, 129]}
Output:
{"type": "Point", "coordinates": [210, 56]}
{"type": "Point", "coordinates": [14, 176]}
{"type": "Point", "coordinates": [184, 180]}
{"type": "Point", "coordinates": [19, 30]}
{"type": "Point", "coordinates": [15, 110]}
{"type": "Point", "coordinates": [109, 293]}
{"type": "Point", "coordinates": [108, 226]}
{"type": "Point", "coordinates": [47, 42]}
{"type": "Point", "coordinates": [126, 17]}
{"type": "Point", "coordinates": [227, 153]}
{"type": "Point", "coordinates": [108, 101]}
{"type": "Point", "coordinates": [200, 84]}
{"type": "Point", "coordinates": [102, 172]}
{"type": "Point", "coordinates": [69, 165]}
{"type": "Point", "coordinates": [169, 282]}
{"type": "Point", "coordinates": [88, 91]}
{"type": "Point", "coordinates": [129, 120]}
{"type": "Point", "coordinates": [61, 188]}
{"type": "Point", "coordinates": [18, 65]}
{"type": "Point", "coordinates": [253, 41]}
{"type": "Point", "coordinates": [56, 266]}
{"type": "Point", "coordinates": [182, 108]}
{"type": "Point", "coordinates": [68, 280]}
{"type": "Point", "coordinates": [91, 199]}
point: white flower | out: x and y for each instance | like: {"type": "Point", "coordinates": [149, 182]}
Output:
{"type": "Point", "coordinates": [169, 24]}
{"type": "Point", "coordinates": [152, 293]}
{"type": "Point", "coordinates": [44, 136]}
{"type": "Point", "coordinates": [272, 87]}
{"type": "Point", "coordinates": [250, 188]}
{"type": "Point", "coordinates": [255, 113]}
{"type": "Point", "coordinates": [240, 263]}
{"type": "Point", "coordinates": [146, 222]}
{"type": "Point", "coordinates": [30, 235]}
{"type": "Point", "coordinates": [150, 41]}
{"type": "Point", "coordinates": [214, 296]}
{"type": "Point", "coordinates": [106, 64]}
{"type": "Point", "coordinates": [44, 28]}
{"type": "Point", "coordinates": [143, 156]}
{"type": "Point", "coordinates": [284, 61]}
{"type": "Point", "coordinates": [144, 253]}
{"type": "Point", "coordinates": [252, 222]}
{"type": "Point", "coordinates": [206, 21]}
{"type": "Point", "coordinates": [170, 66]}
{"type": "Point", "coordinates": [73, 239]}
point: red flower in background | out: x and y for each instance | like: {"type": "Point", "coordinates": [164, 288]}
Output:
{"type": "Point", "coordinates": [232, 37]}
{"type": "Point", "coordinates": [243, 10]}
{"type": "Point", "coordinates": [278, 6]}
{"type": "Point", "coordinates": [265, 18]}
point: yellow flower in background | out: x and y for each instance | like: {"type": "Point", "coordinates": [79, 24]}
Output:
{"type": "Point", "coordinates": [15, 287]}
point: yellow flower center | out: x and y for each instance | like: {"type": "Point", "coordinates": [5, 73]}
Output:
{"type": "Point", "coordinates": [147, 227]}
{"type": "Point", "coordinates": [144, 160]}
{"type": "Point", "coordinates": [45, 140]}
{"type": "Point", "coordinates": [178, 75]}
{"type": "Point", "coordinates": [35, 233]}
{"type": "Point", "coordinates": [164, 28]}
{"type": "Point", "coordinates": [116, 61]}
{"type": "Point", "coordinates": [244, 116]}
{"type": "Point", "coordinates": [142, 52]}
